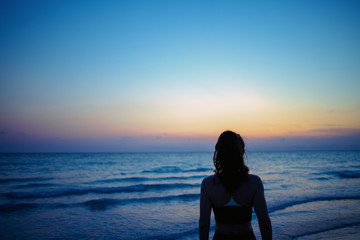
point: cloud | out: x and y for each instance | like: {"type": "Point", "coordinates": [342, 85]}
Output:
{"type": "Point", "coordinates": [327, 132]}
{"type": "Point", "coordinates": [306, 143]}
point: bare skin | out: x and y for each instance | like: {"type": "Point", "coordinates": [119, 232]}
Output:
{"type": "Point", "coordinates": [249, 193]}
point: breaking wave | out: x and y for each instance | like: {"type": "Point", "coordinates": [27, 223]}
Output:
{"type": "Point", "coordinates": [98, 190]}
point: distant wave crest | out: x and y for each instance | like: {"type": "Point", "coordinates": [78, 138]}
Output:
{"type": "Point", "coordinates": [22, 180]}
{"type": "Point", "coordinates": [98, 190]}
{"type": "Point", "coordinates": [349, 174]}
{"type": "Point", "coordinates": [97, 204]}
{"type": "Point", "coordinates": [174, 169]}
{"type": "Point", "coordinates": [144, 179]}
{"type": "Point", "coordinates": [105, 203]}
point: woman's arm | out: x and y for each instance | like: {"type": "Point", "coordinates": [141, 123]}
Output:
{"type": "Point", "coordinates": [205, 212]}
{"type": "Point", "coordinates": [261, 211]}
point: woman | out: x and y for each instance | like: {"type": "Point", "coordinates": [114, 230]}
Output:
{"type": "Point", "coordinates": [232, 193]}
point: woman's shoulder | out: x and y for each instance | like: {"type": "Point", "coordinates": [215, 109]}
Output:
{"type": "Point", "coordinates": [208, 179]}
{"type": "Point", "coordinates": [254, 179]}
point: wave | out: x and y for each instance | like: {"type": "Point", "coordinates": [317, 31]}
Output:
{"type": "Point", "coordinates": [98, 190]}
{"type": "Point", "coordinates": [349, 174]}
{"type": "Point", "coordinates": [146, 179]}
{"type": "Point", "coordinates": [102, 163]}
{"type": "Point", "coordinates": [320, 178]}
{"type": "Point", "coordinates": [345, 174]}
{"type": "Point", "coordinates": [174, 169]}
{"type": "Point", "coordinates": [97, 204]}
{"type": "Point", "coordinates": [165, 169]}
{"type": "Point", "coordinates": [174, 236]}
{"type": "Point", "coordinates": [199, 170]}
{"type": "Point", "coordinates": [315, 199]}
{"type": "Point", "coordinates": [21, 180]}
{"type": "Point", "coordinates": [9, 208]}
{"type": "Point", "coordinates": [105, 203]}
{"type": "Point", "coordinates": [36, 185]}
{"type": "Point", "coordinates": [125, 179]}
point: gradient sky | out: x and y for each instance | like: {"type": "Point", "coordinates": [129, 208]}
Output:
{"type": "Point", "coordinates": [172, 75]}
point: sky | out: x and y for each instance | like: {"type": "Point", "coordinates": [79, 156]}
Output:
{"type": "Point", "coordinates": [79, 76]}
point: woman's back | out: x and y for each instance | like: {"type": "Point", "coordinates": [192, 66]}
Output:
{"type": "Point", "coordinates": [232, 193]}
{"type": "Point", "coordinates": [243, 195]}
{"type": "Point", "coordinates": [248, 195]}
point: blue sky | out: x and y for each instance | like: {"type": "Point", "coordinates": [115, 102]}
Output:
{"type": "Point", "coordinates": [79, 74]}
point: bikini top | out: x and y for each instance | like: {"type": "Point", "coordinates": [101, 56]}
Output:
{"type": "Point", "coordinates": [232, 213]}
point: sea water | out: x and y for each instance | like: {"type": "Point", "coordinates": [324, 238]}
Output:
{"type": "Point", "coordinates": [310, 195]}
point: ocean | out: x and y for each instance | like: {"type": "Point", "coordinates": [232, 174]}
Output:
{"type": "Point", "coordinates": [310, 195]}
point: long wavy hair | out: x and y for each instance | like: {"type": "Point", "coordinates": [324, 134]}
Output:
{"type": "Point", "coordinates": [229, 160]}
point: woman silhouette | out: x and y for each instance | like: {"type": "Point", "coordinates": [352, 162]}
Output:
{"type": "Point", "coordinates": [232, 193]}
